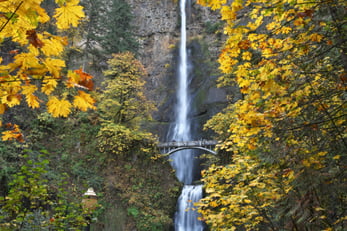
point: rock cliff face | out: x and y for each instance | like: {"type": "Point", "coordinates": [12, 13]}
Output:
{"type": "Point", "coordinates": [158, 29]}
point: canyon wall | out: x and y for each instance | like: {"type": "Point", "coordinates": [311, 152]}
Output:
{"type": "Point", "coordinates": [157, 28]}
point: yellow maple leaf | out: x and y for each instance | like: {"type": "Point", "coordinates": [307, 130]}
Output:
{"type": "Point", "coordinates": [25, 61]}
{"type": "Point", "coordinates": [73, 79]}
{"type": "Point", "coordinates": [48, 85]}
{"type": "Point", "coordinates": [83, 101]}
{"type": "Point", "coordinates": [69, 14]}
{"type": "Point", "coordinates": [54, 66]}
{"type": "Point", "coordinates": [32, 101]}
{"type": "Point", "coordinates": [14, 133]}
{"type": "Point", "coordinates": [7, 135]}
{"type": "Point", "coordinates": [29, 89]}
{"type": "Point", "coordinates": [58, 107]}
{"type": "Point", "coordinates": [53, 45]}
{"type": "Point", "coordinates": [11, 99]}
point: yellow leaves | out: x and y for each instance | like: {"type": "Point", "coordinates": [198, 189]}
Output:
{"type": "Point", "coordinates": [62, 107]}
{"type": "Point", "coordinates": [53, 45]}
{"type": "Point", "coordinates": [25, 61]}
{"type": "Point", "coordinates": [2, 109]}
{"type": "Point", "coordinates": [243, 82]}
{"type": "Point", "coordinates": [42, 15]}
{"type": "Point", "coordinates": [69, 14]}
{"type": "Point", "coordinates": [315, 161]}
{"type": "Point", "coordinates": [258, 22]}
{"type": "Point", "coordinates": [48, 85]}
{"type": "Point", "coordinates": [31, 99]}
{"type": "Point", "coordinates": [236, 5]}
{"type": "Point", "coordinates": [214, 4]}
{"type": "Point", "coordinates": [316, 37]}
{"type": "Point", "coordinates": [224, 59]}
{"type": "Point", "coordinates": [254, 188]}
{"type": "Point", "coordinates": [38, 59]}
{"type": "Point", "coordinates": [275, 43]}
{"type": "Point", "coordinates": [13, 134]}
{"type": "Point", "coordinates": [29, 89]}
{"type": "Point", "coordinates": [228, 13]}
{"type": "Point", "coordinates": [292, 103]}
{"type": "Point", "coordinates": [272, 26]}
{"type": "Point", "coordinates": [11, 100]}
{"type": "Point", "coordinates": [337, 157]}
{"type": "Point", "coordinates": [73, 79]}
{"type": "Point", "coordinates": [83, 101]}
{"type": "Point", "coordinates": [284, 30]}
{"type": "Point", "coordinates": [54, 66]}
{"type": "Point", "coordinates": [58, 107]}
{"type": "Point", "coordinates": [299, 22]}
{"type": "Point", "coordinates": [213, 204]}
{"type": "Point", "coordinates": [256, 37]}
{"type": "Point", "coordinates": [244, 44]}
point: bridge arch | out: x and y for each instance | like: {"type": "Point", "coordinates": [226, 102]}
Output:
{"type": "Point", "coordinates": [175, 146]}
{"type": "Point", "coordinates": [183, 148]}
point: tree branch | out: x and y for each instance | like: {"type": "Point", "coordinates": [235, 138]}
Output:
{"type": "Point", "coordinates": [9, 19]}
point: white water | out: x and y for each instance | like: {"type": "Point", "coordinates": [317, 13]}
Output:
{"type": "Point", "coordinates": [187, 220]}
{"type": "Point", "coordinates": [183, 161]}
{"type": "Point", "coordinates": [182, 126]}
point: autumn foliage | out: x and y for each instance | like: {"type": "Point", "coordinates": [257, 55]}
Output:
{"type": "Point", "coordinates": [123, 107]}
{"type": "Point", "coordinates": [35, 72]}
{"type": "Point", "coordinates": [287, 136]}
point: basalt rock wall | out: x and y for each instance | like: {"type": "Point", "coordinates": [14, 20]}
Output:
{"type": "Point", "coordinates": [158, 30]}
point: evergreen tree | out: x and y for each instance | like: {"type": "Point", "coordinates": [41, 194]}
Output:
{"type": "Point", "coordinates": [109, 29]}
{"type": "Point", "coordinates": [118, 29]}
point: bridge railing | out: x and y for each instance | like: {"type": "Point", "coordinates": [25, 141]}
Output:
{"type": "Point", "coordinates": [167, 147]}
{"type": "Point", "coordinates": [198, 143]}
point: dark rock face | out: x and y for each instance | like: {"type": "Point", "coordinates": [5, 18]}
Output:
{"type": "Point", "coordinates": [158, 30]}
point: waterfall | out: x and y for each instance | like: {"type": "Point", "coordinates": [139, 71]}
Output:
{"type": "Point", "coordinates": [184, 162]}
{"type": "Point", "coordinates": [186, 217]}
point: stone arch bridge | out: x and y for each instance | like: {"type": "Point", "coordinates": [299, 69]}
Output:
{"type": "Point", "coordinates": [175, 146]}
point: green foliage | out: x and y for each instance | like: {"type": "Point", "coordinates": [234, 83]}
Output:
{"type": "Point", "coordinates": [8, 162]}
{"type": "Point", "coordinates": [213, 27]}
{"type": "Point", "coordinates": [141, 187]}
{"type": "Point", "coordinates": [32, 203]}
{"type": "Point", "coordinates": [133, 211]}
